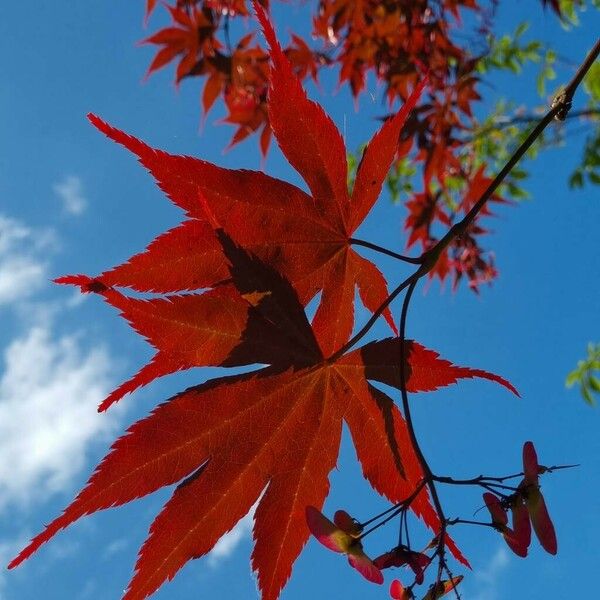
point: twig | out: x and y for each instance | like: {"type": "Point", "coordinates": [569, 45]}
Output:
{"type": "Point", "coordinates": [395, 510]}
{"type": "Point", "coordinates": [523, 119]}
{"type": "Point", "coordinates": [468, 522]}
{"type": "Point", "coordinates": [367, 326]}
{"type": "Point", "coordinates": [564, 99]}
{"type": "Point", "coordinates": [409, 259]}
{"type": "Point", "coordinates": [403, 503]}
{"type": "Point", "coordinates": [475, 480]}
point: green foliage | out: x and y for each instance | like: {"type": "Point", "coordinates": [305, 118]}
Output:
{"type": "Point", "coordinates": [587, 375]}
{"type": "Point", "coordinates": [570, 10]}
{"type": "Point", "coordinates": [400, 179]}
{"type": "Point", "coordinates": [500, 133]}
{"type": "Point", "coordinates": [589, 169]}
{"type": "Point", "coordinates": [512, 53]}
{"type": "Point", "coordinates": [591, 82]}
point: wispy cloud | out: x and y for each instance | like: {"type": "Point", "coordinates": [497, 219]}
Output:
{"type": "Point", "coordinates": [115, 547]}
{"type": "Point", "coordinates": [22, 270]}
{"type": "Point", "coordinates": [70, 192]}
{"type": "Point", "coordinates": [226, 546]}
{"type": "Point", "coordinates": [49, 391]}
{"type": "Point", "coordinates": [486, 581]}
{"type": "Point", "coordinates": [49, 385]}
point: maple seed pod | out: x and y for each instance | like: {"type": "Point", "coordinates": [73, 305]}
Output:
{"type": "Point", "coordinates": [442, 588]}
{"type": "Point", "coordinates": [401, 556]}
{"type": "Point", "coordinates": [399, 592]}
{"type": "Point", "coordinates": [534, 501]}
{"type": "Point", "coordinates": [518, 537]}
{"type": "Point", "coordinates": [343, 536]}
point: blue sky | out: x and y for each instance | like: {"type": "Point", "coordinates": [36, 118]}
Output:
{"type": "Point", "coordinates": [71, 201]}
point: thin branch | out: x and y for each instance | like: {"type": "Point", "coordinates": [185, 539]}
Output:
{"type": "Point", "coordinates": [475, 480]}
{"type": "Point", "coordinates": [413, 436]}
{"type": "Point", "coordinates": [409, 259]}
{"type": "Point", "coordinates": [467, 522]}
{"type": "Point", "coordinates": [503, 123]}
{"type": "Point", "coordinates": [564, 99]}
{"type": "Point", "coordinates": [495, 480]}
{"type": "Point", "coordinates": [395, 510]}
{"type": "Point", "coordinates": [367, 326]}
{"type": "Point", "coordinates": [403, 503]}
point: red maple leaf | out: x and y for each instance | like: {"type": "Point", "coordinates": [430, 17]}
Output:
{"type": "Point", "coordinates": [275, 432]}
{"type": "Point", "coordinates": [150, 6]}
{"type": "Point", "coordinates": [264, 248]}
{"type": "Point", "coordinates": [307, 238]}
{"type": "Point", "coordinates": [190, 37]}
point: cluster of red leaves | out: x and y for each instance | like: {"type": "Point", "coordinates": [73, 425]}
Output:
{"type": "Point", "coordinates": [528, 509]}
{"type": "Point", "coordinates": [237, 74]}
{"type": "Point", "coordinates": [273, 433]}
{"type": "Point", "coordinates": [397, 41]}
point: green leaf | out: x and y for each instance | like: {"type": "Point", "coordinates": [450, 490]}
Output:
{"type": "Point", "coordinates": [587, 396]}
{"type": "Point", "coordinates": [576, 179]}
{"type": "Point", "coordinates": [594, 383]}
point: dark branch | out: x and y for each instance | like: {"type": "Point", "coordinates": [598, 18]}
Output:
{"type": "Point", "coordinates": [564, 99]}
{"type": "Point", "coordinates": [501, 124]}
{"type": "Point", "coordinates": [382, 250]}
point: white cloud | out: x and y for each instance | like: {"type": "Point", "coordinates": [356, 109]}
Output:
{"type": "Point", "coordinates": [115, 547]}
{"type": "Point", "coordinates": [22, 271]}
{"type": "Point", "coordinates": [11, 233]}
{"type": "Point", "coordinates": [50, 387]}
{"type": "Point", "coordinates": [226, 546]}
{"type": "Point", "coordinates": [89, 589]}
{"type": "Point", "coordinates": [70, 191]}
{"type": "Point", "coordinates": [19, 277]}
{"type": "Point", "coordinates": [49, 392]}
{"type": "Point", "coordinates": [486, 580]}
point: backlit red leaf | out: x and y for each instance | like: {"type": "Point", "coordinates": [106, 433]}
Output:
{"type": "Point", "coordinates": [150, 6]}
{"type": "Point", "coordinates": [276, 220]}
{"type": "Point", "coordinates": [426, 371]}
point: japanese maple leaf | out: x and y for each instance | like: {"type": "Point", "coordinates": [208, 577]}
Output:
{"type": "Point", "coordinates": [274, 432]}
{"type": "Point", "coordinates": [150, 6]}
{"type": "Point", "coordinates": [190, 36]}
{"type": "Point", "coordinates": [306, 237]}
